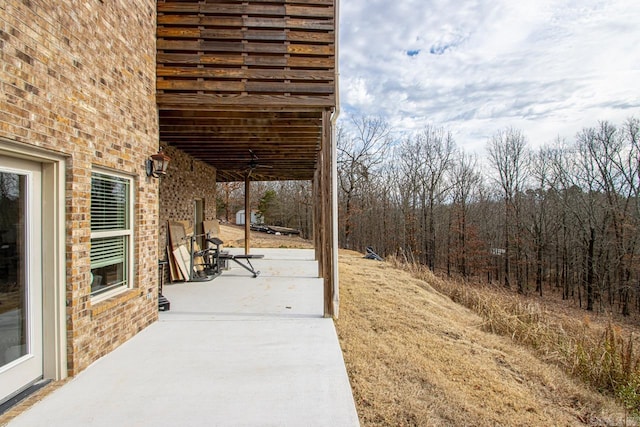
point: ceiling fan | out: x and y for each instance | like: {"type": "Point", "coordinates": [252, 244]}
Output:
{"type": "Point", "coordinates": [254, 164]}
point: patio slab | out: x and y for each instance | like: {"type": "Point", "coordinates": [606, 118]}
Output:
{"type": "Point", "coordinates": [235, 351]}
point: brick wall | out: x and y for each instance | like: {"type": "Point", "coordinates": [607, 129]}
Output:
{"type": "Point", "coordinates": [187, 180]}
{"type": "Point", "coordinates": [77, 77]}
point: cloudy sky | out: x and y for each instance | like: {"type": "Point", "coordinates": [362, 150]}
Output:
{"type": "Point", "coordinates": [546, 67]}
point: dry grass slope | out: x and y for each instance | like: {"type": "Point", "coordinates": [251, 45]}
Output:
{"type": "Point", "coordinates": [416, 358]}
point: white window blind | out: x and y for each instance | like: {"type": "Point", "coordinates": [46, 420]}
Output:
{"type": "Point", "coordinates": [108, 251]}
{"type": "Point", "coordinates": [111, 232]}
{"type": "Point", "coordinates": [109, 203]}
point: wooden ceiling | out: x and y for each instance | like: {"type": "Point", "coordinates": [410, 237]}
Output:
{"type": "Point", "coordinates": [271, 145]}
{"type": "Point", "coordinates": [242, 85]}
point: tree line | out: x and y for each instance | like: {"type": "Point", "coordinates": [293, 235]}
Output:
{"type": "Point", "coordinates": [561, 218]}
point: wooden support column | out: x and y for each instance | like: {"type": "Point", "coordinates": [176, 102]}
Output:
{"type": "Point", "coordinates": [317, 226]}
{"type": "Point", "coordinates": [319, 229]}
{"type": "Point", "coordinates": [332, 221]}
{"type": "Point", "coordinates": [247, 213]}
{"type": "Point", "coordinates": [327, 217]}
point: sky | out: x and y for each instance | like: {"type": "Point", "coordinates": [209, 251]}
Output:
{"type": "Point", "coordinates": [548, 68]}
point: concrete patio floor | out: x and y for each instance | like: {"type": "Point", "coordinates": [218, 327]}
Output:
{"type": "Point", "coordinates": [234, 351]}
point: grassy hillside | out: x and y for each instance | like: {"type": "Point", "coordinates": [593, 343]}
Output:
{"type": "Point", "coordinates": [414, 357]}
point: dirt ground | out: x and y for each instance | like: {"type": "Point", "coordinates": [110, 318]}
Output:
{"type": "Point", "coordinates": [233, 237]}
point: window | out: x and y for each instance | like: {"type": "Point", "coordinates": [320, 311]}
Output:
{"type": "Point", "coordinates": [111, 232]}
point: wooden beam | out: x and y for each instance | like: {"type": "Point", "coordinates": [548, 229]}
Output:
{"type": "Point", "coordinates": [317, 229]}
{"type": "Point", "coordinates": [281, 23]}
{"type": "Point", "coordinates": [244, 73]}
{"type": "Point", "coordinates": [260, 34]}
{"type": "Point", "coordinates": [192, 100]}
{"type": "Point", "coordinates": [313, 114]}
{"type": "Point", "coordinates": [247, 212]}
{"type": "Point", "coordinates": [253, 59]}
{"type": "Point", "coordinates": [240, 47]}
{"type": "Point", "coordinates": [201, 128]}
{"type": "Point", "coordinates": [326, 215]}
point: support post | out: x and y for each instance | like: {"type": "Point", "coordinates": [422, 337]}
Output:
{"type": "Point", "coordinates": [327, 217]}
{"type": "Point", "coordinates": [247, 213]}
{"type": "Point", "coordinates": [317, 226]}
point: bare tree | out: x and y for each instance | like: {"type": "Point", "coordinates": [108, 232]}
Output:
{"type": "Point", "coordinates": [577, 172]}
{"type": "Point", "coordinates": [361, 150]}
{"type": "Point", "coordinates": [406, 165]}
{"type": "Point", "coordinates": [615, 162]}
{"type": "Point", "coordinates": [539, 202]}
{"type": "Point", "coordinates": [437, 148]}
{"type": "Point", "coordinates": [508, 156]}
{"type": "Point", "coordinates": [230, 196]}
{"type": "Point", "coordinates": [465, 181]}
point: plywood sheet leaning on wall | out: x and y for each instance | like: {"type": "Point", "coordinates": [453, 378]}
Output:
{"type": "Point", "coordinates": [187, 228]}
{"type": "Point", "coordinates": [177, 234]}
{"type": "Point", "coordinates": [174, 271]}
{"type": "Point", "coordinates": [176, 238]}
{"type": "Point", "coordinates": [183, 259]}
{"type": "Point", "coordinates": [180, 233]}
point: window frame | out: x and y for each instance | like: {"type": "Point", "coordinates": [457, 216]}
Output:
{"type": "Point", "coordinates": [128, 233]}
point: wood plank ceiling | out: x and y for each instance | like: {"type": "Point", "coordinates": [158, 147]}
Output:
{"type": "Point", "coordinates": [242, 85]}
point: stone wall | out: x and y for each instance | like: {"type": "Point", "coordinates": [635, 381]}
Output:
{"type": "Point", "coordinates": [187, 180]}
{"type": "Point", "coordinates": [78, 78]}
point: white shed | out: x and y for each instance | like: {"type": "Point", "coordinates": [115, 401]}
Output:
{"type": "Point", "coordinates": [255, 217]}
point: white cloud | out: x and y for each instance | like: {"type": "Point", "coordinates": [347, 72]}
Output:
{"type": "Point", "coordinates": [547, 67]}
{"type": "Point", "coordinates": [357, 93]}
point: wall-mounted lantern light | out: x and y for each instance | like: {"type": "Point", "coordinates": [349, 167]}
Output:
{"type": "Point", "coordinates": [157, 164]}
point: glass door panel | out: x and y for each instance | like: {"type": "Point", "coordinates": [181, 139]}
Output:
{"type": "Point", "coordinates": [13, 295]}
{"type": "Point", "coordinates": [20, 275]}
